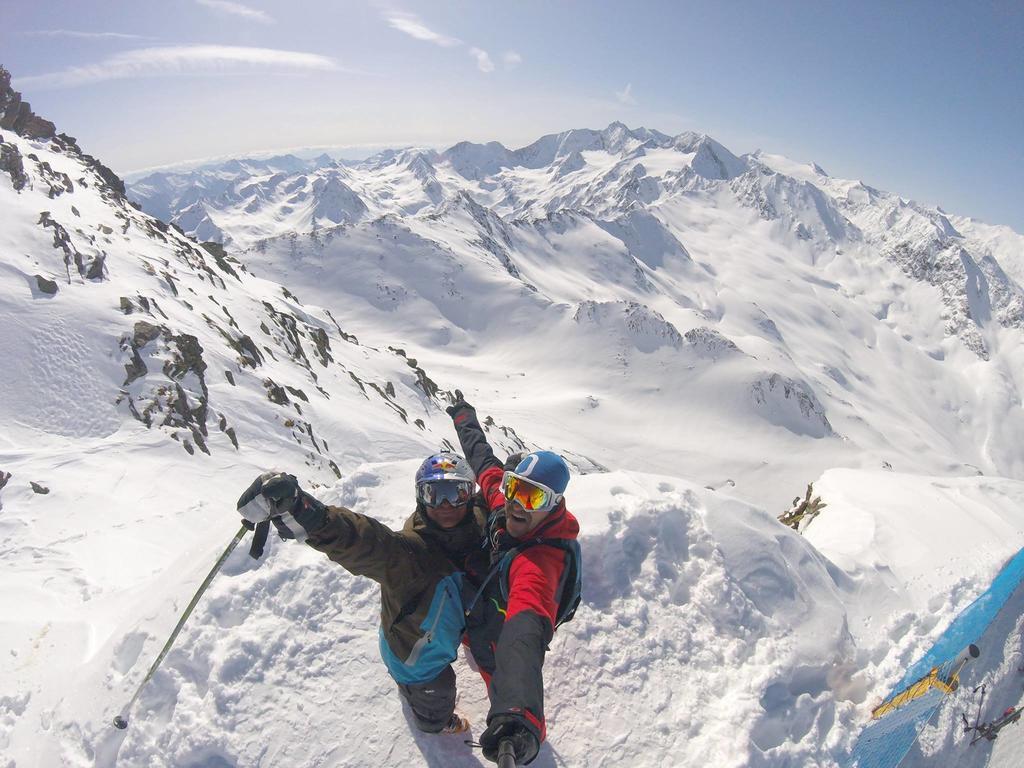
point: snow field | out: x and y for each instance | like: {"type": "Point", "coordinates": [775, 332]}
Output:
{"type": "Point", "coordinates": [707, 632]}
{"type": "Point", "coordinates": [684, 646]}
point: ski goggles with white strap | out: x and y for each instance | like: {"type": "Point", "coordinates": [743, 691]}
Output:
{"type": "Point", "coordinates": [436, 492]}
{"type": "Point", "coordinates": [529, 494]}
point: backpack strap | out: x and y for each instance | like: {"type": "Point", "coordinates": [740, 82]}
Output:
{"type": "Point", "coordinates": [570, 576]}
{"type": "Point", "coordinates": [495, 570]}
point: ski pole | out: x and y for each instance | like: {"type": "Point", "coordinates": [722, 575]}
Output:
{"type": "Point", "coordinates": [506, 754]}
{"type": "Point", "coordinates": [121, 721]}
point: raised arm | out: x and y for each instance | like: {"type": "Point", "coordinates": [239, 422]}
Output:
{"type": "Point", "coordinates": [478, 451]}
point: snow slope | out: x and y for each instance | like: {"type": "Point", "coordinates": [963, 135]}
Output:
{"type": "Point", "coordinates": [696, 359]}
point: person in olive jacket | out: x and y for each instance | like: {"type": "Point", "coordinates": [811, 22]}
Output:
{"type": "Point", "coordinates": [420, 570]}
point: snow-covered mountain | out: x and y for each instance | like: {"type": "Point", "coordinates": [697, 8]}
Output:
{"type": "Point", "coordinates": [700, 334]}
{"type": "Point", "coordinates": [612, 177]}
{"type": "Point", "coordinates": [626, 245]}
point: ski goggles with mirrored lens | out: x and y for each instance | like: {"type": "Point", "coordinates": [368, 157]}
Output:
{"type": "Point", "coordinates": [436, 492]}
{"type": "Point", "coordinates": [531, 496]}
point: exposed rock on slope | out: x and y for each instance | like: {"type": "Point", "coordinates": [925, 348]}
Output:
{"type": "Point", "coordinates": [195, 336]}
{"type": "Point", "coordinates": [17, 115]}
{"type": "Point", "coordinates": [638, 326]}
{"type": "Point", "coordinates": [791, 404]}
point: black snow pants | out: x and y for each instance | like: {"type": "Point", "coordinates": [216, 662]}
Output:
{"type": "Point", "coordinates": [432, 703]}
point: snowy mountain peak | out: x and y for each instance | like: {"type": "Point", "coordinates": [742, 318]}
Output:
{"type": "Point", "coordinates": [476, 161]}
{"type": "Point", "coordinates": [617, 138]}
{"type": "Point", "coordinates": [602, 175]}
{"type": "Point", "coordinates": [710, 159]}
{"type": "Point", "coordinates": [324, 161]}
{"type": "Point", "coordinates": [336, 202]}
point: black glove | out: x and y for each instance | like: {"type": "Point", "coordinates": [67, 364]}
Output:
{"type": "Point", "coordinates": [276, 496]}
{"type": "Point", "coordinates": [513, 461]}
{"type": "Point", "coordinates": [511, 727]}
{"type": "Point", "coordinates": [457, 404]}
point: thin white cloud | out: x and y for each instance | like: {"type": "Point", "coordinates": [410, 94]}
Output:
{"type": "Point", "coordinates": [410, 24]}
{"type": "Point", "coordinates": [483, 60]}
{"type": "Point", "coordinates": [413, 25]}
{"type": "Point", "coordinates": [237, 9]}
{"type": "Point", "coordinates": [85, 35]}
{"type": "Point", "coordinates": [511, 59]}
{"type": "Point", "coordinates": [625, 96]}
{"type": "Point", "coordinates": [178, 60]}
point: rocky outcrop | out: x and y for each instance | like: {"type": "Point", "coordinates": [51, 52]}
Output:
{"type": "Point", "coordinates": [59, 183]}
{"type": "Point", "coordinates": [493, 232]}
{"type": "Point", "coordinates": [221, 257]}
{"type": "Point", "coordinates": [800, 206]}
{"type": "Point", "coordinates": [62, 241]}
{"type": "Point", "coordinates": [275, 392]}
{"type": "Point", "coordinates": [639, 326]}
{"type": "Point", "coordinates": [709, 343]}
{"type": "Point", "coordinates": [113, 186]}
{"type": "Point", "coordinates": [423, 381]}
{"type": "Point", "coordinates": [12, 164]}
{"type": "Point", "coordinates": [46, 286]}
{"type": "Point", "coordinates": [791, 404]}
{"type": "Point", "coordinates": [182, 397]}
{"type": "Point", "coordinates": [975, 290]}
{"type": "Point", "coordinates": [17, 115]}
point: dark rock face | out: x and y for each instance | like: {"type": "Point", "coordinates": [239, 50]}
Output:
{"type": "Point", "coordinates": [113, 182]}
{"type": "Point", "coordinates": [184, 402]}
{"type": "Point", "coordinates": [275, 392]}
{"type": "Point", "coordinates": [90, 267]}
{"type": "Point", "coordinates": [59, 183]}
{"type": "Point", "coordinates": [96, 267]}
{"type": "Point", "coordinates": [143, 333]}
{"type": "Point", "coordinates": [40, 489]}
{"type": "Point", "coordinates": [12, 164]}
{"type": "Point", "coordinates": [220, 256]}
{"type": "Point", "coordinates": [46, 286]}
{"type": "Point", "coordinates": [16, 115]}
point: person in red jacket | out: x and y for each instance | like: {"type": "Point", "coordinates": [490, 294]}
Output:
{"type": "Point", "coordinates": [514, 614]}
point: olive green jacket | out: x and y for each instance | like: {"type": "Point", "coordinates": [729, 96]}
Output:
{"type": "Point", "coordinates": [408, 564]}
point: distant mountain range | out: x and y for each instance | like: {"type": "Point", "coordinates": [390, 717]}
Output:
{"type": "Point", "coordinates": [617, 177]}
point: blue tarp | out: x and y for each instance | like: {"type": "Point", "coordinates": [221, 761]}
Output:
{"type": "Point", "coordinates": [969, 625]}
{"type": "Point", "coordinates": [885, 742]}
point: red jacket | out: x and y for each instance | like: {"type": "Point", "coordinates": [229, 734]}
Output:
{"type": "Point", "coordinates": [509, 639]}
{"type": "Point", "coordinates": [535, 576]}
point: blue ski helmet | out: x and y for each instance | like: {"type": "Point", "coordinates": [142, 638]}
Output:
{"type": "Point", "coordinates": [544, 468]}
{"type": "Point", "coordinates": [444, 466]}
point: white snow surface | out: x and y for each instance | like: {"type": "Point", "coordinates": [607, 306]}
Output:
{"type": "Point", "coordinates": [701, 335]}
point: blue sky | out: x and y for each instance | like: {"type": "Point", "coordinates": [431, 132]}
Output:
{"type": "Point", "coordinates": [925, 99]}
